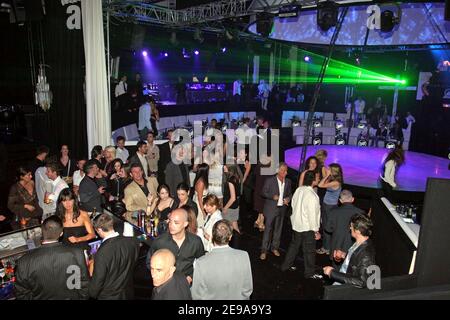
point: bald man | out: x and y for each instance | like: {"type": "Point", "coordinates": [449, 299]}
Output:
{"type": "Point", "coordinates": [169, 283]}
{"type": "Point", "coordinates": [185, 246]}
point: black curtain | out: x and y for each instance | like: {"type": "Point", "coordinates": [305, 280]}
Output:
{"type": "Point", "coordinates": [64, 53]}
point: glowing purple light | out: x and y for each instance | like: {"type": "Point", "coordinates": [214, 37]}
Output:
{"type": "Point", "coordinates": [144, 53]}
{"type": "Point", "coordinates": [166, 54]}
{"type": "Point", "coordinates": [307, 59]}
{"type": "Point", "coordinates": [224, 50]}
{"type": "Point", "coordinates": [196, 52]}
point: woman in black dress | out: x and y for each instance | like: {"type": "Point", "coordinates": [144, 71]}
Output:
{"type": "Point", "coordinates": [68, 165]}
{"type": "Point", "coordinates": [78, 229]}
{"type": "Point", "coordinates": [164, 206]}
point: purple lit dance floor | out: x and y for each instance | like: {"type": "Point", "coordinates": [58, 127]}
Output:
{"type": "Point", "coordinates": [362, 166]}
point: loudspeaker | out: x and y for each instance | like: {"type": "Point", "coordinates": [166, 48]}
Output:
{"type": "Point", "coordinates": [433, 260]}
{"type": "Point", "coordinates": [447, 10]}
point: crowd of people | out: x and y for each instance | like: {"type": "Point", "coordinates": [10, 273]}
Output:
{"type": "Point", "coordinates": [196, 209]}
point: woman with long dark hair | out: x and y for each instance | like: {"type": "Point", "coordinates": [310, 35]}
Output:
{"type": "Point", "coordinates": [231, 196]}
{"type": "Point", "coordinates": [23, 200]}
{"type": "Point", "coordinates": [162, 207]}
{"type": "Point", "coordinates": [312, 164]}
{"type": "Point", "coordinates": [68, 165]}
{"type": "Point", "coordinates": [183, 198]}
{"type": "Point", "coordinates": [332, 182]}
{"type": "Point", "coordinates": [78, 229]}
{"type": "Point", "coordinates": [118, 180]}
{"type": "Point", "coordinates": [201, 184]}
{"type": "Point", "coordinates": [393, 161]}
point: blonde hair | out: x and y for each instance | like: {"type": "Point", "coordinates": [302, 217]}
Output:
{"type": "Point", "coordinates": [321, 155]}
{"type": "Point", "coordinates": [112, 150]}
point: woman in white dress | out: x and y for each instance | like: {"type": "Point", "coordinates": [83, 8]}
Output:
{"type": "Point", "coordinates": [213, 214]}
{"type": "Point", "coordinates": [201, 190]}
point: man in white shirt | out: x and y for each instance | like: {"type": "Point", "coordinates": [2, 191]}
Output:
{"type": "Point", "coordinates": [244, 133]}
{"type": "Point", "coordinates": [54, 189]}
{"type": "Point", "coordinates": [305, 221]}
{"type": "Point", "coordinates": [122, 152]}
{"type": "Point", "coordinates": [78, 175]}
{"type": "Point", "coordinates": [237, 91]}
{"type": "Point", "coordinates": [145, 113]}
{"type": "Point", "coordinates": [264, 91]}
{"type": "Point", "coordinates": [121, 91]}
{"type": "Point", "coordinates": [41, 181]}
{"type": "Point", "coordinates": [360, 105]}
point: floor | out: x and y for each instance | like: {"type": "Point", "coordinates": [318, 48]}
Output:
{"type": "Point", "coordinates": [362, 166]}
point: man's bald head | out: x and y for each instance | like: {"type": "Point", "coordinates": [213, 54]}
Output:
{"type": "Point", "coordinates": [162, 266]}
{"type": "Point", "coordinates": [178, 221]}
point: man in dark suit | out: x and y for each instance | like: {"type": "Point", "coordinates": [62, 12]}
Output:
{"type": "Point", "coordinates": [140, 157]}
{"type": "Point", "coordinates": [277, 194]}
{"type": "Point", "coordinates": [91, 192]}
{"type": "Point", "coordinates": [177, 173]}
{"type": "Point", "coordinates": [53, 271]}
{"type": "Point", "coordinates": [338, 225]}
{"type": "Point", "coordinates": [113, 266]}
{"type": "Point", "coordinates": [165, 155]}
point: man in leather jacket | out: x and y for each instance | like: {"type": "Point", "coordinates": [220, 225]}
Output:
{"type": "Point", "coordinates": [358, 258]}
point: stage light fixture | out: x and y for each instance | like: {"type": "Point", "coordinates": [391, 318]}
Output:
{"type": "Point", "coordinates": [388, 21]}
{"type": "Point", "coordinates": [362, 125]}
{"type": "Point", "coordinates": [224, 50]}
{"type": "Point", "coordinates": [296, 123]}
{"type": "Point", "coordinates": [363, 143]}
{"type": "Point", "coordinates": [327, 15]}
{"type": "Point", "coordinates": [317, 141]}
{"type": "Point", "coordinates": [196, 52]}
{"type": "Point", "coordinates": [390, 145]}
{"type": "Point", "coordinates": [307, 59]}
{"type": "Point", "coordinates": [317, 124]}
{"type": "Point", "coordinates": [166, 54]}
{"type": "Point", "coordinates": [144, 53]}
{"type": "Point", "coordinates": [264, 24]}
{"type": "Point", "coordinates": [339, 125]}
{"type": "Point", "coordinates": [340, 142]}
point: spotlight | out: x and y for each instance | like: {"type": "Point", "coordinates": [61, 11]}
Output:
{"type": "Point", "coordinates": [388, 21]}
{"type": "Point", "coordinates": [224, 50]}
{"type": "Point", "coordinates": [362, 125]}
{"type": "Point", "coordinates": [390, 145]}
{"type": "Point", "coordinates": [363, 143]}
{"type": "Point", "coordinates": [339, 125]}
{"type": "Point", "coordinates": [307, 59]}
{"type": "Point", "coordinates": [317, 141]}
{"type": "Point", "coordinates": [327, 15]}
{"type": "Point", "coordinates": [144, 53]}
{"type": "Point", "coordinates": [166, 54]}
{"type": "Point", "coordinates": [296, 123]}
{"type": "Point", "coordinates": [340, 142]}
{"type": "Point", "coordinates": [317, 124]}
{"type": "Point", "coordinates": [196, 52]}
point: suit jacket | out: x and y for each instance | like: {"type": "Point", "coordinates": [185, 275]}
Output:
{"type": "Point", "coordinates": [338, 225]}
{"type": "Point", "coordinates": [114, 265]}
{"type": "Point", "coordinates": [361, 259]}
{"type": "Point", "coordinates": [135, 199]}
{"type": "Point", "coordinates": [165, 156]}
{"type": "Point", "coordinates": [90, 197]}
{"type": "Point", "coordinates": [233, 282]}
{"type": "Point", "coordinates": [177, 288]}
{"type": "Point", "coordinates": [135, 159]}
{"type": "Point", "coordinates": [174, 177]}
{"type": "Point", "coordinates": [270, 190]}
{"type": "Point", "coordinates": [44, 274]}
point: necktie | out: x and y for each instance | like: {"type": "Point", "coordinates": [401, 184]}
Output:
{"type": "Point", "coordinates": [124, 87]}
